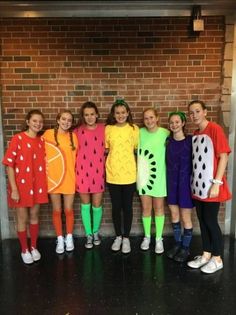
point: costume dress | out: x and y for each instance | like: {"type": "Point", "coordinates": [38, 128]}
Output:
{"type": "Point", "coordinates": [60, 162]}
{"type": "Point", "coordinates": [151, 178]}
{"type": "Point", "coordinates": [208, 144]}
{"type": "Point", "coordinates": [26, 156]}
{"type": "Point", "coordinates": [179, 170]}
{"type": "Point", "coordinates": [90, 159]}
{"type": "Point", "coordinates": [120, 163]}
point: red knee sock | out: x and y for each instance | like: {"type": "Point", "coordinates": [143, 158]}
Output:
{"type": "Point", "coordinates": [56, 219]}
{"type": "Point", "coordinates": [34, 232]}
{"type": "Point", "coordinates": [69, 221]}
{"type": "Point", "coordinates": [22, 235]}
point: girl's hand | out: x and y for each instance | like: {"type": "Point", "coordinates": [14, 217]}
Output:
{"type": "Point", "coordinates": [15, 195]}
{"type": "Point", "coordinates": [214, 191]}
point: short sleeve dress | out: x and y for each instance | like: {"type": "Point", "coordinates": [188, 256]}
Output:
{"type": "Point", "coordinates": [151, 178]}
{"type": "Point", "coordinates": [179, 171]}
{"type": "Point", "coordinates": [121, 163]}
{"type": "Point", "coordinates": [90, 159]}
{"type": "Point", "coordinates": [26, 156]}
{"type": "Point", "coordinates": [60, 162]}
{"type": "Point", "coordinates": [208, 144]}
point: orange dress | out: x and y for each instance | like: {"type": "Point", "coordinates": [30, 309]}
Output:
{"type": "Point", "coordinates": [60, 162]}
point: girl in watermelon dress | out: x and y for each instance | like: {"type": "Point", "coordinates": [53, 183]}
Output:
{"type": "Point", "coordinates": [25, 162]}
{"type": "Point", "coordinates": [209, 186]}
{"type": "Point", "coordinates": [90, 170]}
{"type": "Point", "coordinates": [151, 181]}
{"type": "Point", "coordinates": [61, 147]}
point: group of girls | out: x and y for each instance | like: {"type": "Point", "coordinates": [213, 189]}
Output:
{"type": "Point", "coordinates": [189, 171]}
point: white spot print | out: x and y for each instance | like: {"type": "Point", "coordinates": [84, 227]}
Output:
{"type": "Point", "coordinates": [9, 160]}
{"type": "Point", "coordinates": [19, 147]}
{"type": "Point", "coordinates": [28, 145]}
{"type": "Point", "coordinates": [31, 192]}
{"type": "Point", "coordinates": [40, 168]}
{"type": "Point", "coordinates": [40, 146]}
{"type": "Point", "coordinates": [40, 190]}
{"type": "Point", "coordinates": [17, 170]}
{"type": "Point", "coordinates": [22, 181]}
{"type": "Point", "coordinates": [27, 169]}
{"type": "Point", "coordinates": [34, 156]}
{"type": "Point", "coordinates": [14, 153]}
{"type": "Point", "coordinates": [20, 137]}
{"type": "Point", "coordinates": [21, 158]}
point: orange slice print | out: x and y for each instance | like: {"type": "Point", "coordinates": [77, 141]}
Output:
{"type": "Point", "coordinates": [55, 166]}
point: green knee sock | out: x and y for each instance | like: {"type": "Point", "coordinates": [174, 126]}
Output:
{"type": "Point", "coordinates": [97, 217]}
{"type": "Point", "coordinates": [159, 222]}
{"type": "Point", "coordinates": [147, 226]}
{"type": "Point", "coordinates": [86, 217]}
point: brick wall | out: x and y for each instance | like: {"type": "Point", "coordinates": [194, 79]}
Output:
{"type": "Point", "coordinates": [53, 64]}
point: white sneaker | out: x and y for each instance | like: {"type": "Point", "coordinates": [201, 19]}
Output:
{"type": "Point", "coordinates": [159, 248]}
{"type": "Point", "coordinates": [27, 258]}
{"type": "Point", "coordinates": [145, 243]}
{"type": "Point", "coordinates": [197, 262]}
{"type": "Point", "coordinates": [126, 246]}
{"type": "Point", "coordinates": [35, 254]}
{"type": "Point", "coordinates": [96, 239]}
{"type": "Point", "coordinates": [212, 266]}
{"type": "Point", "coordinates": [69, 243]}
{"type": "Point", "coordinates": [60, 245]}
{"type": "Point", "coordinates": [116, 244]}
{"type": "Point", "coordinates": [89, 242]}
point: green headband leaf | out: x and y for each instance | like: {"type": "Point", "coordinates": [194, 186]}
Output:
{"type": "Point", "coordinates": [182, 115]}
{"type": "Point", "coordinates": [120, 102]}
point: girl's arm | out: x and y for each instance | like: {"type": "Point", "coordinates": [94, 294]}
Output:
{"type": "Point", "coordinates": [215, 188]}
{"type": "Point", "coordinates": [12, 181]}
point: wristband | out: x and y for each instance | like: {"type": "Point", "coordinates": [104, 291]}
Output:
{"type": "Point", "coordinates": [217, 181]}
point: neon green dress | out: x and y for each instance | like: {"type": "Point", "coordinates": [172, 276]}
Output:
{"type": "Point", "coordinates": [151, 177]}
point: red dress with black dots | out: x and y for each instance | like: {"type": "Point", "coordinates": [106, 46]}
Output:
{"type": "Point", "coordinates": [90, 159]}
{"type": "Point", "coordinates": [26, 156]}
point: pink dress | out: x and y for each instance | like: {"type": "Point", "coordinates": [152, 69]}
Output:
{"type": "Point", "coordinates": [26, 156]}
{"type": "Point", "coordinates": [90, 159]}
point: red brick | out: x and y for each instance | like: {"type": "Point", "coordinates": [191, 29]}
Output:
{"type": "Point", "coordinates": [155, 62]}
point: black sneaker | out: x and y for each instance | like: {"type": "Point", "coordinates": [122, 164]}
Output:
{"type": "Point", "coordinates": [173, 251]}
{"type": "Point", "coordinates": [182, 255]}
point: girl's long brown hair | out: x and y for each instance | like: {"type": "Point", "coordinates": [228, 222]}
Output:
{"type": "Point", "coordinates": [32, 112]}
{"type": "Point", "coordinates": [111, 119]}
{"type": "Point", "coordinates": [81, 112]}
{"type": "Point", "coordinates": [67, 111]}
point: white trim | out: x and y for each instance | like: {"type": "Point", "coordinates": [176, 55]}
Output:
{"type": "Point", "coordinates": [4, 217]}
{"type": "Point", "coordinates": [230, 214]}
{"type": "Point", "coordinates": [113, 8]}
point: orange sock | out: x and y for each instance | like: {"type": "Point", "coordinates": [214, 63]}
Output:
{"type": "Point", "coordinates": [69, 221]}
{"type": "Point", "coordinates": [56, 219]}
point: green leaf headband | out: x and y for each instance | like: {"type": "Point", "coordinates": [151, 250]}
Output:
{"type": "Point", "coordinates": [120, 102]}
{"type": "Point", "coordinates": [182, 115]}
